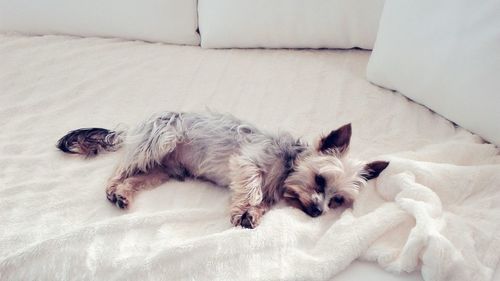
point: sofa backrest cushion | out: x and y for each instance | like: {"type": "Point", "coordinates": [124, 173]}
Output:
{"type": "Point", "coordinates": [445, 55]}
{"type": "Point", "coordinates": [169, 21]}
{"type": "Point", "coordinates": [289, 23]}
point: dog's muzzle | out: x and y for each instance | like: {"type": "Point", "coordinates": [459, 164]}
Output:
{"type": "Point", "coordinates": [314, 210]}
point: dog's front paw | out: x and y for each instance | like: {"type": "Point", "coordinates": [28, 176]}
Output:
{"type": "Point", "coordinates": [248, 220]}
{"type": "Point", "coordinates": [251, 218]}
{"type": "Point", "coordinates": [122, 202]}
{"type": "Point", "coordinates": [236, 219]}
{"type": "Point", "coordinates": [110, 193]}
{"type": "Point", "coordinates": [119, 196]}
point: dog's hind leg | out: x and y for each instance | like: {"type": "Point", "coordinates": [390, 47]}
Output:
{"type": "Point", "coordinates": [141, 167]}
{"type": "Point", "coordinates": [150, 143]}
{"type": "Point", "coordinates": [122, 191]}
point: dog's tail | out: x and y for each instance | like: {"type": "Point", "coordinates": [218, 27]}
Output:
{"type": "Point", "coordinates": [91, 141]}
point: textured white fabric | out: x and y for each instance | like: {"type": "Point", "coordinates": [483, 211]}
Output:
{"type": "Point", "coordinates": [446, 55]}
{"type": "Point", "coordinates": [289, 23]}
{"type": "Point", "coordinates": [56, 223]}
{"type": "Point", "coordinates": [167, 21]}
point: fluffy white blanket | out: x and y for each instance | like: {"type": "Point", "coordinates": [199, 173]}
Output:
{"type": "Point", "coordinates": [435, 208]}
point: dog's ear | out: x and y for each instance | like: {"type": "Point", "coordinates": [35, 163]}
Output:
{"type": "Point", "coordinates": [373, 169]}
{"type": "Point", "coordinates": [337, 140]}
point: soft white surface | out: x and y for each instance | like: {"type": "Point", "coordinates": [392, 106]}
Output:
{"type": "Point", "coordinates": [289, 23]}
{"type": "Point", "coordinates": [446, 55]}
{"type": "Point", "coordinates": [56, 222]}
{"type": "Point", "coordinates": [168, 21]}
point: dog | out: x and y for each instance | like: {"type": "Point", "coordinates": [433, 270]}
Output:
{"type": "Point", "coordinates": [259, 168]}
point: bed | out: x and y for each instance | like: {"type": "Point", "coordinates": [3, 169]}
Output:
{"type": "Point", "coordinates": [432, 214]}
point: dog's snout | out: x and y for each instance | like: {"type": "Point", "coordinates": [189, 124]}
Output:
{"type": "Point", "coordinates": [314, 210]}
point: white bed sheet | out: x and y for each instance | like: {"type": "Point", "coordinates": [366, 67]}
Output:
{"type": "Point", "coordinates": [56, 221]}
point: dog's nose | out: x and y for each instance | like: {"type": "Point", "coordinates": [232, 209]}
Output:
{"type": "Point", "coordinates": [314, 210]}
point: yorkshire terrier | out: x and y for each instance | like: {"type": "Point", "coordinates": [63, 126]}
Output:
{"type": "Point", "coordinates": [259, 168]}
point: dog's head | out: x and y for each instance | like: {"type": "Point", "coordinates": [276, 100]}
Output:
{"type": "Point", "coordinates": [324, 177]}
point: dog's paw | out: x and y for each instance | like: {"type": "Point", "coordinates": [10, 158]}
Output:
{"type": "Point", "coordinates": [251, 218]}
{"type": "Point", "coordinates": [236, 219]}
{"type": "Point", "coordinates": [110, 193]}
{"type": "Point", "coordinates": [121, 201]}
{"type": "Point", "coordinates": [247, 221]}
{"type": "Point", "coordinates": [118, 196]}
{"type": "Point", "coordinates": [111, 197]}
{"type": "Point", "coordinates": [247, 218]}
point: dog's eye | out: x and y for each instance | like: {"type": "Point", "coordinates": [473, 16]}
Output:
{"type": "Point", "coordinates": [320, 183]}
{"type": "Point", "coordinates": [339, 199]}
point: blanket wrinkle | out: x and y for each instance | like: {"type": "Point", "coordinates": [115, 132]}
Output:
{"type": "Point", "coordinates": [432, 214]}
{"type": "Point", "coordinates": [444, 254]}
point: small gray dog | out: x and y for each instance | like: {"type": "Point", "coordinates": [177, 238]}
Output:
{"type": "Point", "coordinates": [258, 167]}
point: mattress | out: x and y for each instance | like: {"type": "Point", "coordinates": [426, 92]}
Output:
{"type": "Point", "coordinates": [56, 223]}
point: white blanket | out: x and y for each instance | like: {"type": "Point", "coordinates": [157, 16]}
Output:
{"type": "Point", "coordinates": [435, 208]}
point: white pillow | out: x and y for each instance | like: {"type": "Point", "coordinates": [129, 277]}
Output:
{"type": "Point", "coordinates": [444, 54]}
{"type": "Point", "coordinates": [289, 23]}
{"type": "Point", "coordinates": [168, 21]}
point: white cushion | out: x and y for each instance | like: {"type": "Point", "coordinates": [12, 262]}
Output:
{"type": "Point", "coordinates": [168, 21]}
{"type": "Point", "coordinates": [446, 55]}
{"type": "Point", "coordinates": [289, 23]}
